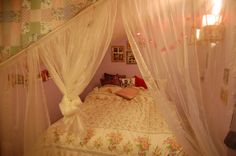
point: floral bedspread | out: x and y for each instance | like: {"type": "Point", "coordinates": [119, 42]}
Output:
{"type": "Point", "coordinates": [115, 126]}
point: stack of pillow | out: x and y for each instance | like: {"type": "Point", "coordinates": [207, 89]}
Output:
{"type": "Point", "coordinates": [123, 81]}
{"type": "Point", "coordinates": [112, 79]}
{"type": "Point", "coordinates": [127, 91]}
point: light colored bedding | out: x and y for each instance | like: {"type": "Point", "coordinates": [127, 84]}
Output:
{"type": "Point", "coordinates": [115, 126]}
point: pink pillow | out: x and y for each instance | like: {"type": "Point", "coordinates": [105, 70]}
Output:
{"type": "Point", "coordinates": [139, 82]}
{"type": "Point", "coordinates": [127, 93]}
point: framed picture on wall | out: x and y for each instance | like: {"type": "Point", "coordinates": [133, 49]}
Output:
{"type": "Point", "coordinates": [117, 54]}
{"type": "Point", "coordinates": [130, 59]}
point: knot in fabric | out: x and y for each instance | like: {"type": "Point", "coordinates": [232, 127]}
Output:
{"type": "Point", "coordinates": [68, 106]}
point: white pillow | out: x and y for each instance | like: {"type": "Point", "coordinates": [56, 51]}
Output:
{"type": "Point", "coordinates": [127, 82]}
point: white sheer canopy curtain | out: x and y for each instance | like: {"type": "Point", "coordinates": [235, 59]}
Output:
{"type": "Point", "coordinates": [23, 110]}
{"type": "Point", "coordinates": [162, 37]}
{"type": "Point", "coordinates": [12, 108]}
{"type": "Point", "coordinates": [73, 54]}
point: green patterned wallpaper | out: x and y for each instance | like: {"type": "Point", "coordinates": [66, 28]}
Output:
{"type": "Point", "coordinates": [23, 22]}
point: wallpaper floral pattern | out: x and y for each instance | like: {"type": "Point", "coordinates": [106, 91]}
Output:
{"type": "Point", "coordinates": [23, 22]}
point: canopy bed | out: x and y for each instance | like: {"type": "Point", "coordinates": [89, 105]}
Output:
{"type": "Point", "coordinates": [185, 51]}
{"type": "Point", "coordinates": [115, 126]}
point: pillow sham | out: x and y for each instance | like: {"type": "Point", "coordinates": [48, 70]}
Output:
{"type": "Point", "coordinates": [111, 76]}
{"type": "Point", "coordinates": [127, 93]}
{"type": "Point", "coordinates": [127, 82]}
{"type": "Point", "coordinates": [108, 76]}
{"type": "Point", "coordinates": [111, 79]}
{"type": "Point", "coordinates": [112, 82]}
{"type": "Point", "coordinates": [139, 82]}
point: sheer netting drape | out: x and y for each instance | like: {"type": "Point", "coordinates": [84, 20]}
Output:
{"type": "Point", "coordinates": [218, 70]}
{"type": "Point", "coordinates": [185, 76]}
{"type": "Point", "coordinates": [73, 53]}
{"type": "Point", "coordinates": [13, 95]}
{"type": "Point", "coordinates": [24, 116]}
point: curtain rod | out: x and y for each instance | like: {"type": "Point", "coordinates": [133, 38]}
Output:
{"type": "Point", "coordinates": [53, 32]}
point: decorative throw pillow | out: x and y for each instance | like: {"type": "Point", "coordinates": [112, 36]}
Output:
{"type": "Point", "coordinates": [112, 79]}
{"type": "Point", "coordinates": [108, 76]}
{"type": "Point", "coordinates": [127, 93]}
{"type": "Point", "coordinates": [111, 76]}
{"type": "Point", "coordinates": [112, 82]}
{"type": "Point", "coordinates": [139, 82]}
{"type": "Point", "coordinates": [127, 82]}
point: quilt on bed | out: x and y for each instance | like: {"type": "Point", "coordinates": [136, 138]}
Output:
{"type": "Point", "coordinates": [115, 126]}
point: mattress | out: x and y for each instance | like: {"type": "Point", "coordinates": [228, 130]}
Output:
{"type": "Point", "coordinates": [114, 126]}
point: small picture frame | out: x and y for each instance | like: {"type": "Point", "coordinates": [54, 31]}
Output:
{"type": "Point", "coordinates": [117, 54]}
{"type": "Point", "coordinates": [16, 79]}
{"type": "Point", "coordinates": [20, 79]}
{"type": "Point", "coordinates": [130, 59]}
{"type": "Point", "coordinates": [45, 75]}
{"type": "Point", "coordinates": [127, 82]}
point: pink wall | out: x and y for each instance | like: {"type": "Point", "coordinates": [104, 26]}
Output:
{"type": "Point", "coordinates": [111, 67]}
{"type": "Point", "coordinates": [53, 96]}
